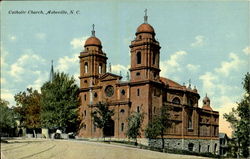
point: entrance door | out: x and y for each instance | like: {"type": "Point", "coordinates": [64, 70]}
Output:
{"type": "Point", "coordinates": [109, 130]}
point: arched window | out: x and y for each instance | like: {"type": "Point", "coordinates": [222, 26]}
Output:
{"type": "Point", "coordinates": [86, 67]}
{"type": "Point", "coordinates": [190, 146]}
{"type": "Point", "coordinates": [100, 68]}
{"type": "Point", "coordinates": [140, 37]}
{"type": "Point", "coordinates": [85, 97]}
{"type": "Point", "coordinates": [138, 57]}
{"type": "Point", "coordinates": [176, 100]}
{"type": "Point", "coordinates": [85, 113]}
{"type": "Point", "coordinates": [122, 126]}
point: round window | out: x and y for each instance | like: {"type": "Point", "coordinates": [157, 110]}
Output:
{"type": "Point", "coordinates": [109, 91]}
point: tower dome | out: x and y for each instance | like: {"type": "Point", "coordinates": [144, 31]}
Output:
{"type": "Point", "coordinates": [206, 103]}
{"type": "Point", "coordinates": [145, 27]}
{"type": "Point", "coordinates": [93, 40]}
{"type": "Point", "coordinates": [206, 99]}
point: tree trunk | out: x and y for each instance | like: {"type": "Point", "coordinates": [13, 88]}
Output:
{"type": "Point", "coordinates": [34, 132]}
{"type": "Point", "coordinates": [163, 143]}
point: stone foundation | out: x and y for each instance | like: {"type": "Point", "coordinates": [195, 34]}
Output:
{"type": "Point", "coordinates": [197, 145]}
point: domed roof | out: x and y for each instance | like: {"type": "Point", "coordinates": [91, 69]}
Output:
{"type": "Point", "coordinates": [206, 107]}
{"type": "Point", "coordinates": [92, 41]}
{"type": "Point", "coordinates": [145, 28]}
{"type": "Point", "coordinates": [206, 99]}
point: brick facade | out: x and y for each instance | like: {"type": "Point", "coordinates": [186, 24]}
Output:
{"type": "Point", "coordinates": [145, 91]}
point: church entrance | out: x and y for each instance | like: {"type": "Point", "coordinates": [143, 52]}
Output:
{"type": "Point", "coordinates": [110, 129]}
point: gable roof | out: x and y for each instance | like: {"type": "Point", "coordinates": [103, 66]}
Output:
{"type": "Point", "coordinates": [109, 76]}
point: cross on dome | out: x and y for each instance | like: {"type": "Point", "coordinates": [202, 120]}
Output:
{"type": "Point", "coordinates": [145, 16]}
{"type": "Point", "coordinates": [93, 30]}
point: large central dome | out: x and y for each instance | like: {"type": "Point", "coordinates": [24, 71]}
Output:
{"type": "Point", "coordinates": [145, 28]}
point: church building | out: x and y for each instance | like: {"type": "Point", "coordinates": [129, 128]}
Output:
{"type": "Point", "coordinates": [194, 128]}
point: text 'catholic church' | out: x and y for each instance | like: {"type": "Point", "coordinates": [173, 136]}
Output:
{"type": "Point", "coordinates": [193, 128]}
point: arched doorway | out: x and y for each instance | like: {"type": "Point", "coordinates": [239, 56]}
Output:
{"type": "Point", "coordinates": [109, 130]}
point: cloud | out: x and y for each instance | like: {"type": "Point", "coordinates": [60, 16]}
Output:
{"type": "Point", "coordinates": [120, 68]}
{"type": "Point", "coordinates": [27, 64]}
{"type": "Point", "coordinates": [173, 64]}
{"type": "Point", "coordinates": [39, 80]}
{"type": "Point", "coordinates": [69, 64]}
{"type": "Point", "coordinates": [78, 43]}
{"type": "Point", "coordinates": [208, 82]}
{"type": "Point", "coordinates": [66, 63]}
{"type": "Point", "coordinates": [3, 80]}
{"type": "Point", "coordinates": [8, 96]}
{"type": "Point", "coordinates": [40, 36]}
{"type": "Point", "coordinates": [228, 66]}
{"type": "Point", "coordinates": [199, 41]}
{"type": "Point", "coordinates": [246, 50]}
{"type": "Point", "coordinates": [226, 105]}
{"type": "Point", "coordinates": [192, 67]}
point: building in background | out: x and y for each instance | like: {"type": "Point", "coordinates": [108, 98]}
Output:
{"type": "Point", "coordinates": [224, 139]}
{"type": "Point", "coordinates": [194, 128]}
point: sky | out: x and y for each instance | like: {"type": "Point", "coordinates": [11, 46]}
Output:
{"type": "Point", "coordinates": [206, 42]}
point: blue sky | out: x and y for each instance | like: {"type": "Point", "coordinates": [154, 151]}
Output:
{"type": "Point", "coordinates": [205, 41]}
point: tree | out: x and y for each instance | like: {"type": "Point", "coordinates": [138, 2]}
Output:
{"type": "Point", "coordinates": [159, 124]}
{"type": "Point", "coordinates": [239, 120]}
{"type": "Point", "coordinates": [28, 107]}
{"type": "Point", "coordinates": [134, 126]}
{"type": "Point", "coordinates": [102, 117]}
{"type": "Point", "coordinates": [59, 103]}
{"type": "Point", "coordinates": [7, 118]}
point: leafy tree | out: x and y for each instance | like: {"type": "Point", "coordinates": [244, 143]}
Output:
{"type": "Point", "coordinates": [28, 108]}
{"type": "Point", "coordinates": [59, 103]}
{"type": "Point", "coordinates": [159, 124]}
{"type": "Point", "coordinates": [134, 125]}
{"type": "Point", "coordinates": [239, 120]}
{"type": "Point", "coordinates": [102, 117]}
{"type": "Point", "coordinates": [7, 117]}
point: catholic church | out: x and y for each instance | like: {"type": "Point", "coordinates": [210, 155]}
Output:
{"type": "Point", "coordinates": [194, 128]}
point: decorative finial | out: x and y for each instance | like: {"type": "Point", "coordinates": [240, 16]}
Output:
{"type": "Point", "coordinates": [189, 85]}
{"type": "Point", "coordinates": [127, 76]}
{"type": "Point", "coordinates": [206, 94]}
{"type": "Point", "coordinates": [110, 67]}
{"type": "Point", "coordinates": [145, 16]}
{"type": "Point", "coordinates": [93, 30]}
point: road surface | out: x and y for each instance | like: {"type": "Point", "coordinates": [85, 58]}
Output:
{"type": "Point", "coordinates": [70, 149]}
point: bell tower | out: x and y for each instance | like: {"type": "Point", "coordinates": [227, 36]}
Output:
{"type": "Point", "coordinates": [93, 61]}
{"type": "Point", "coordinates": [145, 53]}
